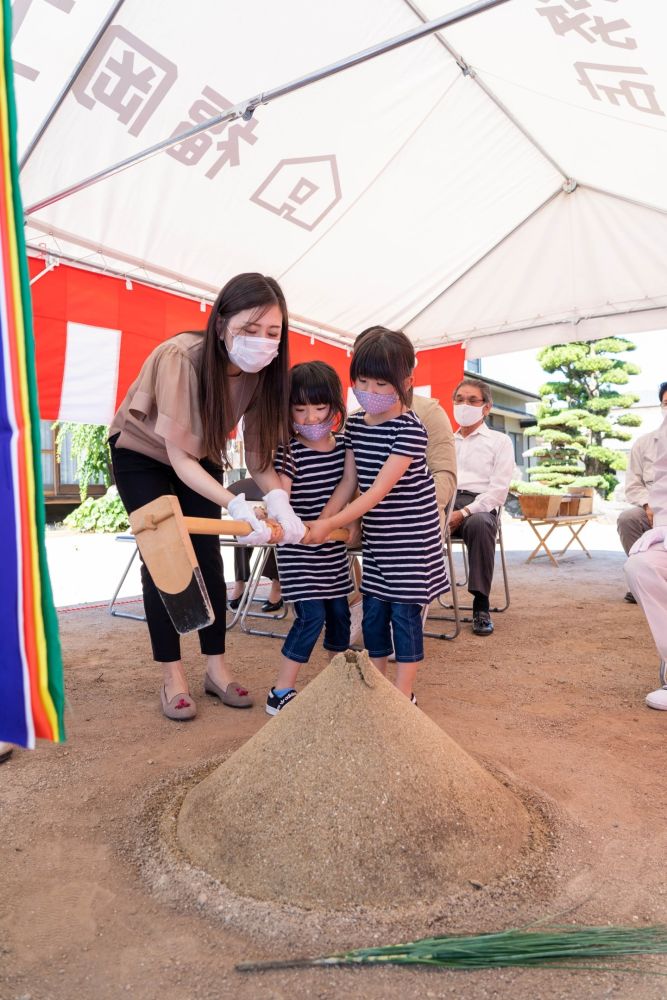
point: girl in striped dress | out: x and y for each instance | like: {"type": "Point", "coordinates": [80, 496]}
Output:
{"type": "Point", "coordinates": [403, 561]}
{"type": "Point", "coordinates": [315, 577]}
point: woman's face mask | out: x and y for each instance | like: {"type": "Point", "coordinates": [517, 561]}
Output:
{"type": "Point", "coordinates": [251, 353]}
{"type": "Point", "coordinates": [252, 338]}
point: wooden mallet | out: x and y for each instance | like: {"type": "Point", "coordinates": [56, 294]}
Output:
{"type": "Point", "coordinates": [163, 534]}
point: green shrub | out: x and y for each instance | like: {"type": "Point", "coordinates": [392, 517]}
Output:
{"type": "Point", "coordinates": [105, 513]}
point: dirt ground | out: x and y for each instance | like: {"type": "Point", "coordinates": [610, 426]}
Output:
{"type": "Point", "coordinates": [554, 701]}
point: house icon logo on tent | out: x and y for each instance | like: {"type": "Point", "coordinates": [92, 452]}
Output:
{"type": "Point", "coordinates": [302, 190]}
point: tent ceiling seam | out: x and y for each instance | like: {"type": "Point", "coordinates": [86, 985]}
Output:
{"type": "Point", "coordinates": [572, 321]}
{"type": "Point", "coordinates": [371, 183]}
{"type": "Point", "coordinates": [622, 197]}
{"type": "Point", "coordinates": [469, 72]}
{"type": "Point", "coordinates": [499, 243]}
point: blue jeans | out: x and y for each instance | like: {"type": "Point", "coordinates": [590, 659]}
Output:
{"type": "Point", "coordinates": [331, 612]}
{"type": "Point", "coordinates": [382, 618]}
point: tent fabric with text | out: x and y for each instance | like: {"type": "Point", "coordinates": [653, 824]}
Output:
{"type": "Point", "coordinates": [499, 182]}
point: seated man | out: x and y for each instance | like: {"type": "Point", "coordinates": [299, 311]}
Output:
{"type": "Point", "coordinates": [633, 522]}
{"type": "Point", "coordinates": [485, 460]}
{"type": "Point", "coordinates": [440, 450]}
{"type": "Point", "coordinates": [646, 569]}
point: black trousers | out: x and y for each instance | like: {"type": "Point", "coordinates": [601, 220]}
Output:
{"type": "Point", "coordinates": [139, 480]}
{"type": "Point", "coordinates": [479, 534]}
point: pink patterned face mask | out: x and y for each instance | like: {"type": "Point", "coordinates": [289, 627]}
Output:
{"type": "Point", "coordinates": [314, 432]}
{"type": "Point", "coordinates": [375, 403]}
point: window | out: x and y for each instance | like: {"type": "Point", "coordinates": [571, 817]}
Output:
{"type": "Point", "coordinates": [59, 478]}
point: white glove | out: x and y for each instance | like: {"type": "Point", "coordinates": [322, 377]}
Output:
{"type": "Point", "coordinates": [279, 508]}
{"type": "Point", "coordinates": [241, 510]}
{"type": "Point", "coordinates": [654, 536]}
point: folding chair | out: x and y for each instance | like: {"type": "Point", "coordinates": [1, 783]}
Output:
{"type": "Point", "coordinates": [243, 611]}
{"type": "Point", "coordinates": [112, 605]}
{"type": "Point", "coordinates": [454, 540]}
{"type": "Point", "coordinates": [499, 543]}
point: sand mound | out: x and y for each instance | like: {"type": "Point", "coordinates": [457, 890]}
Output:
{"type": "Point", "coordinates": [351, 796]}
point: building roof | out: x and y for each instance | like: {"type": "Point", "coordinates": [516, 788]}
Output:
{"type": "Point", "coordinates": [512, 390]}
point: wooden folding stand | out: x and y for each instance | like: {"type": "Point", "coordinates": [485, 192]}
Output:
{"type": "Point", "coordinates": [575, 524]}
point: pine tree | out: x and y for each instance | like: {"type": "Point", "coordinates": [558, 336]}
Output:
{"type": "Point", "coordinates": [574, 419]}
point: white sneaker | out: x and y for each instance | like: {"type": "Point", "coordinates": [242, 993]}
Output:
{"type": "Point", "coordinates": [658, 699]}
{"type": "Point", "coordinates": [356, 615]}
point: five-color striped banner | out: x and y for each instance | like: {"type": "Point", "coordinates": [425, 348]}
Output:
{"type": "Point", "coordinates": [31, 683]}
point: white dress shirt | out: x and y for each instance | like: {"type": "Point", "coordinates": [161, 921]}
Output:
{"type": "Point", "coordinates": [640, 474]}
{"type": "Point", "coordinates": [485, 463]}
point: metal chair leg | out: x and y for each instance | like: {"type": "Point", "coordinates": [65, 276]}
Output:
{"type": "Point", "coordinates": [506, 588]}
{"type": "Point", "coordinates": [663, 673]}
{"type": "Point", "coordinates": [454, 606]}
{"type": "Point", "coordinates": [243, 611]}
{"type": "Point", "coordinates": [112, 610]}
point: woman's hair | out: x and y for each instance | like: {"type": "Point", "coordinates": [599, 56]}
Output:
{"type": "Point", "coordinates": [316, 383]}
{"type": "Point", "coordinates": [245, 291]}
{"type": "Point", "coordinates": [387, 355]}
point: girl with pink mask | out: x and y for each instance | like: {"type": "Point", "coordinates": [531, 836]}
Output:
{"type": "Point", "coordinates": [403, 563]}
{"type": "Point", "coordinates": [315, 577]}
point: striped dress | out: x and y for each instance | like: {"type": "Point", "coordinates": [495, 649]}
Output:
{"type": "Point", "coordinates": [310, 572]}
{"type": "Point", "coordinates": [403, 557]}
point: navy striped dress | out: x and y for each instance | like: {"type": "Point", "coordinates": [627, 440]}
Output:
{"type": "Point", "coordinates": [403, 556]}
{"type": "Point", "coordinates": [312, 571]}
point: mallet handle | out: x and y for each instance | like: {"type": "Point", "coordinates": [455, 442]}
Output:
{"type": "Point", "coordinates": [213, 526]}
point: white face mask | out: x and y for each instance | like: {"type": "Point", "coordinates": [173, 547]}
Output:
{"type": "Point", "coordinates": [466, 415]}
{"type": "Point", "coordinates": [251, 354]}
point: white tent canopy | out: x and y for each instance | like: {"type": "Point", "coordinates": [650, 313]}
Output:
{"type": "Point", "coordinates": [501, 182]}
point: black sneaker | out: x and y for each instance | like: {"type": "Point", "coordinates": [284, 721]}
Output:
{"type": "Point", "coordinates": [274, 703]}
{"type": "Point", "coordinates": [481, 623]}
{"type": "Point", "coordinates": [630, 598]}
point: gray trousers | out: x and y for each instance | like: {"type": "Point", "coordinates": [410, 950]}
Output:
{"type": "Point", "coordinates": [631, 525]}
{"type": "Point", "coordinates": [479, 534]}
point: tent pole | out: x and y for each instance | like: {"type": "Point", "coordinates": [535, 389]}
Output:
{"type": "Point", "coordinates": [467, 71]}
{"type": "Point", "coordinates": [300, 324]}
{"type": "Point", "coordinates": [247, 108]}
{"type": "Point", "coordinates": [70, 83]}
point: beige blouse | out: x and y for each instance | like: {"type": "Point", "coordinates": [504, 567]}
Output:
{"type": "Point", "coordinates": [162, 404]}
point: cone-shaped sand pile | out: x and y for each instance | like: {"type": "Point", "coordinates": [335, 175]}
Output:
{"type": "Point", "coordinates": [351, 796]}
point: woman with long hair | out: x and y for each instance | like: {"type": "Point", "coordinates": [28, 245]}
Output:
{"type": "Point", "coordinates": [170, 435]}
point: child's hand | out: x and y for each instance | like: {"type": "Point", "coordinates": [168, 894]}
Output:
{"type": "Point", "coordinates": [317, 531]}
